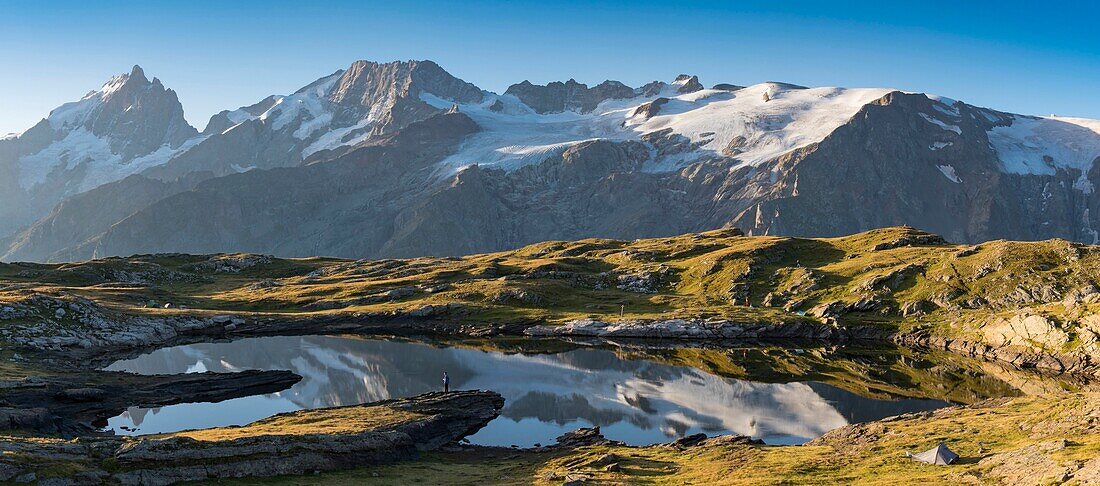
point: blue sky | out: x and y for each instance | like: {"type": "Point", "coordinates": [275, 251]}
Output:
{"type": "Point", "coordinates": [1023, 57]}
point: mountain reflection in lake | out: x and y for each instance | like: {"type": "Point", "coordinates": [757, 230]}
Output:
{"type": "Point", "coordinates": [633, 400]}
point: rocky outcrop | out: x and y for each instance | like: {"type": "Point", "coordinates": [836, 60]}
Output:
{"type": "Point", "coordinates": [392, 92]}
{"type": "Point", "coordinates": [650, 109]}
{"type": "Point", "coordinates": [687, 83]}
{"type": "Point", "coordinates": [71, 404]}
{"type": "Point", "coordinates": [557, 96]}
{"type": "Point", "coordinates": [1034, 464]}
{"type": "Point", "coordinates": [1024, 342]}
{"type": "Point", "coordinates": [1081, 361]}
{"type": "Point", "coordinates": [395, 430]}
{"type": "Point", "coordinates": [135, 115]}
{"type": "Point", "coordinates": [1026, 331]}
{"type": "Point", "coordinates": [727, 87]}
{"type": "Point", "coordinates": [701, 329]}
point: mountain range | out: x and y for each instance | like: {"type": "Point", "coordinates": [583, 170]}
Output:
{"type": "Point", "coordinates": [403, 159]}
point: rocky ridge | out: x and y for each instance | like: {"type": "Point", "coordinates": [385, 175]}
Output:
{"type": "Point", "coordinates": [362, 435]}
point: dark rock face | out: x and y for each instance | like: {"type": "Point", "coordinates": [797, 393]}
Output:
{"type": "Point", "coordinates": [651, 88]}
{"type": "Point", "coordinates": [557, 97]}
{"type": "Point", "coordinates": [365, 85]}
{"type": "Point", "coordinates": [651, 109]}
{"type": "Point", "coordinates": [687, 83]}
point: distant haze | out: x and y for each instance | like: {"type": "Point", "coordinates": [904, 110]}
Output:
{"type": "Point", "coordinates": [1014, 56]}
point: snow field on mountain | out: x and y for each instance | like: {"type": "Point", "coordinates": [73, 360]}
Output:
{"type": "Point", "coordinates": [791, 119]}
{"type": "Point", "coordinates": [1068, 142]}
{"type": "Point", "coordinates": [81, 149]}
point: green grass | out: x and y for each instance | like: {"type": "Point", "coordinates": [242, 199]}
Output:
{"type": "Point", "coordinates": [870, 453]}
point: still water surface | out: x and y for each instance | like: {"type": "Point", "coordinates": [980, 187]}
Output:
{"type": "Point", "coordinates": [634, 400]}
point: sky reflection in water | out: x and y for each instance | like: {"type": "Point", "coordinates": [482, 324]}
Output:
{"type": "Point", "coordinates": [634, 400]}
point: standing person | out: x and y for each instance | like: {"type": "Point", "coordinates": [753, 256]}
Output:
{"type": "Point", "coordinates": [446, 382]}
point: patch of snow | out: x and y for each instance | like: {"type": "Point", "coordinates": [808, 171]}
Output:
{"type": "Point", "coordinates": [1083, 184]}
{"type": "Point", "coordinates": [239, 169]}
{"type": "Point", "coordinates": [237, 117]}
{"type": "Point", "coordinates": [1087, 228]}
{"type": "Point", "coordinates": [940, 108]}
{"type": "Point", "coordinates": [73, 114]}
{"type": "Point", "coordinates": [945, 105]}
{"type": "Point", "coordinates": [941, 99]}
{"type": "Point", "coordinates": [310, 104]}
{"type": "Point", "coordinates": [308, 127]}
{"type": "Point", "coordinates": [1066, 142]}
{"type": "Point", "coordinates": [948, 171]}
{"type": "Point", "coordinates": [949, 111]}
{"type": "Point", "coordinates": [436, 101]}
{"type": "Point", "coordinates": [941, 124]}
{"type": "Point", "coordinates": [990, 116]}
{"type": "Point", "coordinates": [336, 137]}
{"type": "Point", "coordinates": [939, 145]}
{"type": "Point", "coordinates": [79, 146]}
{"type": "Point", "coordinates": [681, 81]}
{"type": "Point", "coordinates": [792, 118]}
{"type": "Point", "coordinates": [230, 129]}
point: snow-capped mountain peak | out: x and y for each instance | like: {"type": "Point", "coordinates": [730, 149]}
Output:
{"type": "Point", "coordinates": [127, 89]}
{"type": "Point", "coordinates": [350, 105]}
{"type": "Point", "coordinates": [127, 125]}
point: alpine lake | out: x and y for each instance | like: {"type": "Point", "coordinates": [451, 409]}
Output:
{"type": "Point", "coordinates": [637, 392]}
